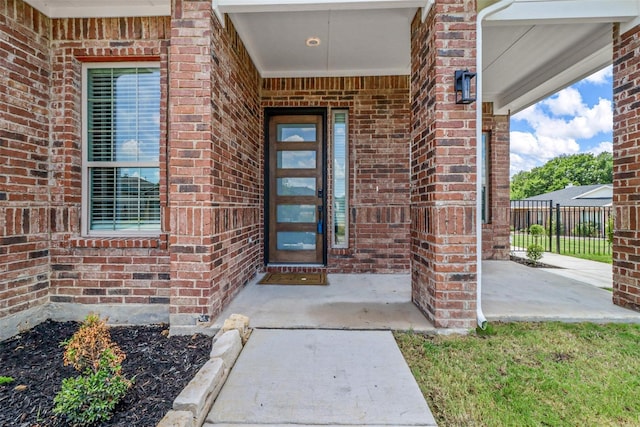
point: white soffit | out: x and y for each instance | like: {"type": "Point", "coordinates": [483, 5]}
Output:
{"type": "Point", "coordinates": [535, 48]}
{"type": "Point", "coordinates": [523, 12]}
{"type": "Point", "coordinates": [100, 8]}
{"type": "Point", "coordinates": [352, 42]}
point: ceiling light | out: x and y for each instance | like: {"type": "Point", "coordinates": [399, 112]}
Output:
{"type": "Point", "coordinates": [313, 41]}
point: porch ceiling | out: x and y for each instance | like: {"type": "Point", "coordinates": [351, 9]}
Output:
{"type": "Point", "coordinates": [531, 49]}
{"type": "Point", "coordinates": [352, 42]}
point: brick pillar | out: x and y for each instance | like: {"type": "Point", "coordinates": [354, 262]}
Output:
{"type": "Point", "coordinates": [190, 161]}
{"type": "Point", "coordinates": [443, 172]}
{"type": "Point", "coordinates": [495, 230]}
{"type": "Point", "coordinates": [626, 169]}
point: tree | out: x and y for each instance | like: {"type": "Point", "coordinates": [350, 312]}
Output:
{"type": "Point", "coordinates": [557, 173]}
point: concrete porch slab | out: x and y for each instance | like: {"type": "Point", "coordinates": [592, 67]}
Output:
{"type": "Point", "coordinates": [320, 377]}
{"type": "Point", "coordinates": [514, 292]}
{"type": "Point", "coordinates": [350, 301]}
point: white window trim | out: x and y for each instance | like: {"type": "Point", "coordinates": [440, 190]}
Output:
{"type": "Point", "coordinates": [86, 164]}
{"type": "Point", "coordinates": [344, 245]}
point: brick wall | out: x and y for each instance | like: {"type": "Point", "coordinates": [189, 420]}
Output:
{"type": "Point", "coordinates": [626, 169]}
{"type": "Point", "coordinates": [495, 231]}
{"type": "Point", "coordinates": [378, 163]}
{"type": "Point", "coordinates": [443, 173]}
{"type": "Point", "coordinates": [215, 164]}
{"type": "Point", "coordinates": [24, 152]}
{"type": "Point", "coordinates": [104, 271]}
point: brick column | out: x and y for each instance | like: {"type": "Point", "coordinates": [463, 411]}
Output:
{"type": "Point", "coordinates": [495, 231]}
{"type": "Point", "coordinates": [626, 169]}
{"type": "Point", "coordinates": [190, 161]}
{"type": "Point", "coordinates": [443, 172]}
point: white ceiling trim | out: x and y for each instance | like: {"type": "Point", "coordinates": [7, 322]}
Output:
{"type": "Point", "coordinates": [339, 73]}
{"type": "Point", "coordinates": [546, 84]}
{"type": "Point", "coordinates": [100, 9]}
{"type": "Point", "coordinates": [426, 7]}
{"type": "Point", "coordinates": [531, 12]}
{"type": "Point", "coordinates": [243, 6]}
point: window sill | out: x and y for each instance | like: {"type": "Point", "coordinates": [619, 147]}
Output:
{"type": "Point", "coordinates": [159, 242]}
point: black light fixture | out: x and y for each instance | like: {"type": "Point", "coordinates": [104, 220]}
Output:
{"type": "Point", "coordinates": [463, 87]}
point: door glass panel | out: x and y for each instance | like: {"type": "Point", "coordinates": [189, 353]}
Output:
{"type": "Point", "coordinates": [296, 160]}
{"type": "Point", "coordinates": [296, 241]}
{"type": "Point", "coordinates": [296, 186]}
{"type": "Point", "coordinates": [296, 213]}
{"type": "Point", "coordinates": [296, 132]}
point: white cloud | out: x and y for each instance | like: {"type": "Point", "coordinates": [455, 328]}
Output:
{"type": "Point", "coordinates": [604, 146]}
{"type": "Point", "coordinates": [557, 124]}
{"type": "Point", "coordinates": [543, 147]}
{"type": "Point", "coordinates": [600, 77]}
{"type": "Point", "coordinates": [567, 102]}
{"type": "Point", "coordinates": [520, 163]}
{"type": "Point", "coordinates": [130, 150]}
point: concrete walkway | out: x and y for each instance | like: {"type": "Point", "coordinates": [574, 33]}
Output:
{"type": "Point", "coordinates": [594, 273]}
{"type": "Point", "coordinates": [514, 292]}
{"type": "Point", "coordinates": [324, 355]}
{"type": "Point", "coordinates": [320, 377]}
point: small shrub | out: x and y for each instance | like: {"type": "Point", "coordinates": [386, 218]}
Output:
{"type": "Point", "coordinates": [5, 380]}
{"type": "Point", "coordinates": [92, 396]}
{"type": "Point", "coordinates": [609, 230]}
{"type": "Point", "coordinates": [536, 230]}
{"type": "Point", "coordinates": [551, 228]}
{"type": "Point", "coordinates": [586, 229]}
{"type": "Point", "coordinates": [84, 350]}
{"type": "Point", "coordinates": [534, 252]}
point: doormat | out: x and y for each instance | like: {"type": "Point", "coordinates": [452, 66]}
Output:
{"type": "Point", "coordinates": [294, 279]}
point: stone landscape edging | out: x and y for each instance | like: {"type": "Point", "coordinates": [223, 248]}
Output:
{"type": "Point", "coordinates": [193, 404]}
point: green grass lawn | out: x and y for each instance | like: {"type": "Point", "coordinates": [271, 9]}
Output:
{"type": "Point", "coordinates": [530, 374]}
{"type": "Point", "coordinates": [594, 249]}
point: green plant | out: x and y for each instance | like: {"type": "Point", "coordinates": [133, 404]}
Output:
{"type": "Point", "coordinates": [535, 249]}
{"type": "Point", "coordinates": [92, 396]}
{"type": "Point", "coordinates": [586, 229]}
{"type": "Point", "coordinates": [84, 350]}
{"type": "Point", "coordinates": [5, 380]}
{"type": "Point", "coordinates": [537, 231]}
{"type": "Point", "coordinates": [534, 252]}
{"type": "Point", "coordinates": [609, 230]}
{"type": "Point", "coordinates": [553, 229]}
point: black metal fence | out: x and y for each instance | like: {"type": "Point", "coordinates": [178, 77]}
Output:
{"type": "Point", "coordinates": [567, 229]}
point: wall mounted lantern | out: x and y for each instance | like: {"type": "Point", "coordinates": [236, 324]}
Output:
{"type": "Point", "coordinates": [463, 80]}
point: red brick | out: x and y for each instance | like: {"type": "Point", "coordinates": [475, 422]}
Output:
{"type": "Point", "coordinates": [626, 169]}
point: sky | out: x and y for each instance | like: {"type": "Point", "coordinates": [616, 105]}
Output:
{"type": "Point", "coordinates": [578, 119]}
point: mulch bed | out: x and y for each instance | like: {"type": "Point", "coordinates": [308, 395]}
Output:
{"type": "Point", "coordinates": [529, 263]}
{"type": "Point", "coordinates": [161, 367]}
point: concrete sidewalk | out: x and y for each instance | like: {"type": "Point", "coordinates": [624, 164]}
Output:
{"type": "Point", "coordinates": [594, 273]}
{"type": "Point", "coordinates": [320, 377]}
{"type": "Point", "coordinates": [514, 292]}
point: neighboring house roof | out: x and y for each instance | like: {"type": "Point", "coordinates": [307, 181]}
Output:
{"type": "Point", "coordinates": [579, 195]}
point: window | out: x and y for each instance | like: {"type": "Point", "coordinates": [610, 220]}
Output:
{"type": "Point", "coordinates": [340, 174]}
{"type": "Point", "coordinates": [486, 163]}
{"type": "Point", "coordinates": [121, 148]}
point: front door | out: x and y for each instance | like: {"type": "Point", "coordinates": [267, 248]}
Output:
{"type": "Point", "coordinates": [295, 187]}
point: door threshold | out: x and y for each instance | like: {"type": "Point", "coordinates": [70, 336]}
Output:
{"type": "Point", "coordinates": [279, 265]}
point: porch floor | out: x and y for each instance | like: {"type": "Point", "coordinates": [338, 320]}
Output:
{"type": "Point", "coordinates": [510, 292]}
{"type": "Point", "coordinates": [350, 301]}
{"type": "Point", "coordinates": [571, 293]}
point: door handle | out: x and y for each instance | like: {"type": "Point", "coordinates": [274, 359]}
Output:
{"type": "Point", "coordinates": [320, 222]}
